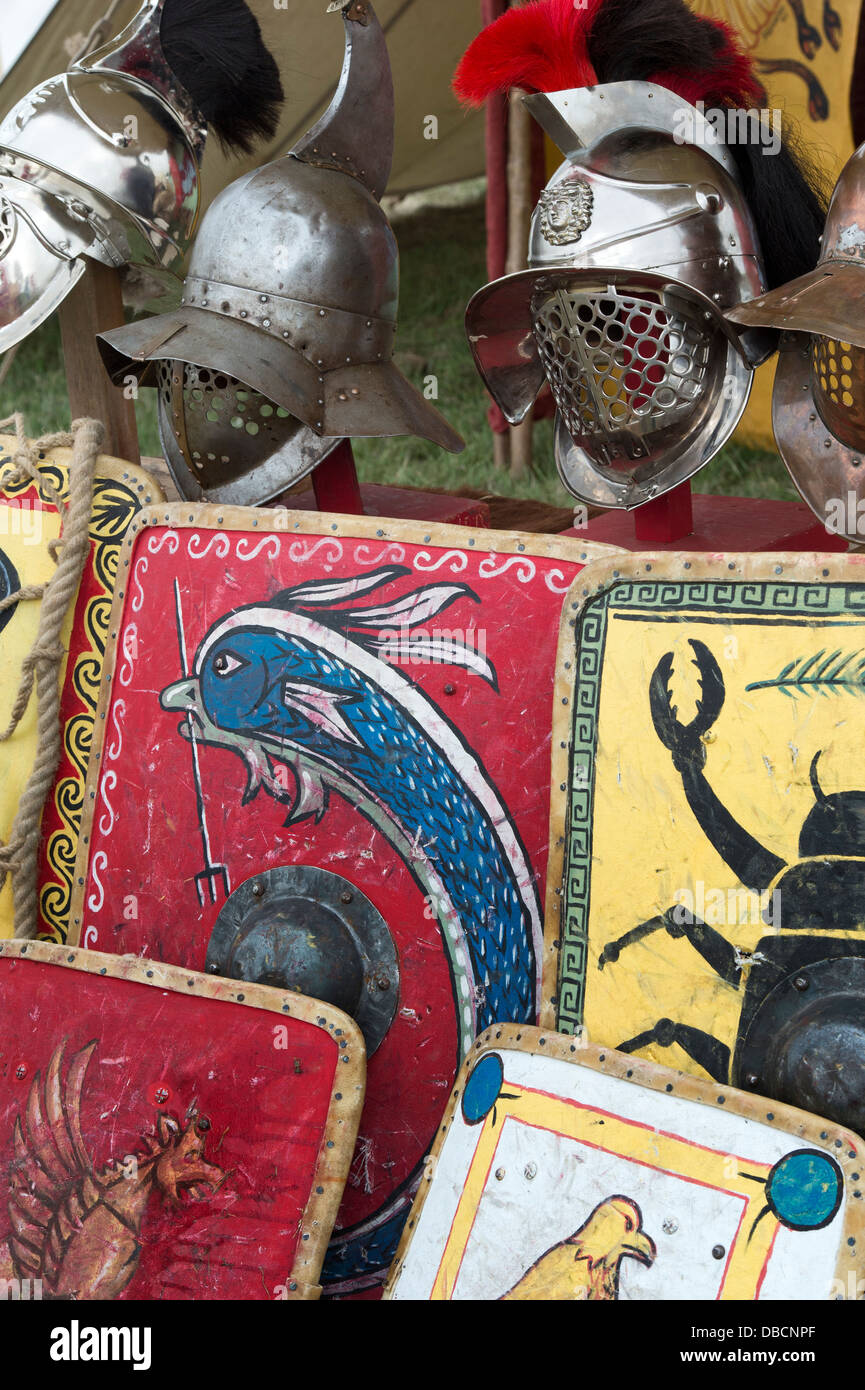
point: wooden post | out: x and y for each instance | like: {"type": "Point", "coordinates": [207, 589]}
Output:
{"type": "Point", "coordinates": [496, 145]}
{"type": "Point", "coordinates": [519, 224]}
{"type": "Point", "coordinates": [94, 306]}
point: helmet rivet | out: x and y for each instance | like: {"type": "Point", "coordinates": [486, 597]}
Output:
{"type": "Point", "coordinates": [342, 397]}
{"type": "Point", "coordinates": [243, 314]}
{"type": "Point", "coordinates": [263, 298]}
{"type": "Point", "coordinates": [355, 391]}
{"type": "Point", "coordinates": [266, 323]}
{"type": "Point", "coordinates": [348, 359]}
{"type": "Point", "coordinates": [369, 323]}
{"type": "Point", "coordinates": [812, 416]}
{"type": "Point", "coordinates": [321, 313]}
{"type": "Point", "coordinates": [204, 303]}
{"type": "Point", "coordinates": [827, 443]}
{"type": "Point", "coordinates": [285, 333]}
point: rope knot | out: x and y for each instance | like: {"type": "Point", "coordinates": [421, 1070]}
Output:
{"type": "Point", "coordinates": [92, 434]}
{"type": "Point", "coordinates": [45, 650]}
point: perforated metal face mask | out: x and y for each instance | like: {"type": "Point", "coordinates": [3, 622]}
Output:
{"type": "Point", "coordinates": [102, 161]}
{"type": "Point", "coordinates": [642, 383]}
{"type": "Point", "coordinates": [291, 299]}
{"type": "Point", "coordinates": [216, 429]}
{"type": "Point", "coordinates": [818, 402]}
{"type": "Point", "coordinates": [638, 244]}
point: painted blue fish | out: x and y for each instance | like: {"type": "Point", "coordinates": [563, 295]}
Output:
{"type": "Point", "coordinates": [306, 682]}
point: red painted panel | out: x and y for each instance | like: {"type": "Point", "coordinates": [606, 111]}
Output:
{"type": "Point", "coordinates": [147, 1059]}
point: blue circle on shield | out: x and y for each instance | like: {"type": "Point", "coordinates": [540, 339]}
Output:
{"type": "Point", "coordinates": [804, 1189]}
{"type": "Point", "coordinates": [483, 1088]}
{"type": "Point", "coordinates": [9, 584]}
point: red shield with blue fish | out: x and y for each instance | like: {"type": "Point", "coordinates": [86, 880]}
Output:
{"type": "Point", "coordinates": [325, 761]}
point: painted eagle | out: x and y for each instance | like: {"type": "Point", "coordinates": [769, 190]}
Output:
{"type": "Point", "coordinates": [586, 1265]}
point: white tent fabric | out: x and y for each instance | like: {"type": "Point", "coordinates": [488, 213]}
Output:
{"type": "Point", "coordinates": [425, 38]}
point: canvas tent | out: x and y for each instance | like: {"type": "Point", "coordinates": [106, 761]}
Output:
{"type": "Point", "coordinates": [425, 38]}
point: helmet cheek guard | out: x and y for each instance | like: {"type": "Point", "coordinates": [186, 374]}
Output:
{"type": "Point", "coordinates": [283, 342]}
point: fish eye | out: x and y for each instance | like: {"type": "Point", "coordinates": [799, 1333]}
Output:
{"type": "Point", "coordinates": [202, 1124]}
{"type": "Point", "coordinates": [226, 663]}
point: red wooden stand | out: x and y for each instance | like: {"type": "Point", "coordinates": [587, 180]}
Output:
{"type": "Point", "coordinates": [335, 482]}
{"type": "Point", "coordinates": [680, 521]}
{"type": "Point", "coordinates": [335, 488]}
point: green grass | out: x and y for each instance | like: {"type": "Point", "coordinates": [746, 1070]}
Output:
{"type": "Point", "coordinates": [443, 263]}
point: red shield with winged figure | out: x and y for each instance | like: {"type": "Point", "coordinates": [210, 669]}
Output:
{"type": "Point", "coordinates": [164, 1135]}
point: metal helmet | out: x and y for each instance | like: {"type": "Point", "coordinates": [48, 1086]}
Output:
{"type": "Point", "coordinates": [101, 161]}
{"type": "Point", "coordinates": [818, 403]}
{"type": "Point", "coordinates": [283, 341]}
{"type": "Point", "coordinates": [639, 243]}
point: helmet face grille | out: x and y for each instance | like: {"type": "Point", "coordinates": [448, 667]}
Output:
{"type": "Point", "coordinates": [838, 387]}
{"type": "Point", "coordinates": [224, 428]}
{"type": "Point", "coordinates": [618, 363]}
